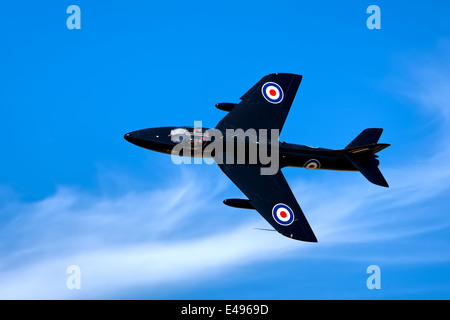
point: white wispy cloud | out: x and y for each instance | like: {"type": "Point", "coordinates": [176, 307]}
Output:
{"type": "Point", "coordinates": [132, 240]}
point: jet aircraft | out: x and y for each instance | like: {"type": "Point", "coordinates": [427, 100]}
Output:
{"type": "Point", "coordinates": [265, 107]}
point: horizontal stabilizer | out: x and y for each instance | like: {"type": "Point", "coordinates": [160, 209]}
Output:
{"type": "Point", "coordinates": [370, 148]}
{"type": "Point", "coordinates": [369, 169]}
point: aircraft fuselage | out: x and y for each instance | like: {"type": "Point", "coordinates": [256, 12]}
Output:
{"type": "Point", "coordinates": [290, 155]}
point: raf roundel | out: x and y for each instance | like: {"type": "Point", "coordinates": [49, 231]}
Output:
{"type": "Point", "coordinates": [282, 214]}
{"type": "Point", "coordinates": [312, 164]}
{"type": "Point", "coordinates": [272, 92]}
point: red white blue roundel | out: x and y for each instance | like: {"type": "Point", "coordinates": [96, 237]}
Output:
{"type": "Point", "coordinates": [272, 92]}
{"type": "Point", "coordinates": [312, 164]}
{"type": "Point", "coordinates": [283, 214]}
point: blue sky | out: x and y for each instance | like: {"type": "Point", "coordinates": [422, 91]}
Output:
{"type": "Point", "coordinates": [74, 192]}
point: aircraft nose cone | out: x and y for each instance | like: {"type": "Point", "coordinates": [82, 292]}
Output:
{"type": "Point", "coordinates": [132, 136]}
{"type": "Point", "coordinates": [146, 138]}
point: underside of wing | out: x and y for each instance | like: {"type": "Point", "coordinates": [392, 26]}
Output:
{"type": "Point", "coordinates": [272, 197]}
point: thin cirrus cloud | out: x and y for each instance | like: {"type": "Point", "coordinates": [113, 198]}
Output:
{"type": "Point", "coordinates": [118, 238]}
{"type": "Point", "coordinates": [123, 242]}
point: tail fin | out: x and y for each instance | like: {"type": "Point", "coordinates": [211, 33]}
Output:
{"type": "Point", "coordinates": [361, 153]}
{"type": "Point", "coordinates": [368, 136]}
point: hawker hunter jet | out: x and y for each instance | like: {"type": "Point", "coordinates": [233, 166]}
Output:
{"type": "Point", "coordinates": [254, 125]}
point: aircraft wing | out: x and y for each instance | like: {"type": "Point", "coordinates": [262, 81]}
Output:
{"type": "Point", "coordinates": [271, 196]}
{"type": "Point", "coordinates": [265, 106]}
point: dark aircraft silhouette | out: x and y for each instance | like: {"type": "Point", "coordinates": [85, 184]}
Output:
{"type": "Point", "coordinates": [266, 106]}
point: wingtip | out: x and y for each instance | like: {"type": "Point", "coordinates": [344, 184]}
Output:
{"type": "Point", "coordinates": [311, 238]}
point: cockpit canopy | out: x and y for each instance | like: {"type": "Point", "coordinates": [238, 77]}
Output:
{"type": "Point", "coordinates": [196, 135]}
{"type": "Point", "coordinates": [179, 135]}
